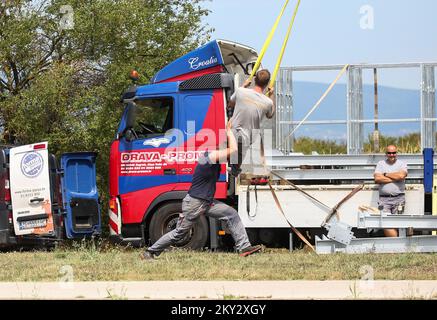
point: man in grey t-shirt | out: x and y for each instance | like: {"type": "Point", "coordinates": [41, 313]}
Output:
{"type": "Point", "coordinates": [390, 174]}
{"type": "Point", "coordinates": [250, 108]}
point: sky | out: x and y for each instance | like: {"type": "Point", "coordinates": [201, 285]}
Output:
{"type": "Point", "coordinates": [335, 32]}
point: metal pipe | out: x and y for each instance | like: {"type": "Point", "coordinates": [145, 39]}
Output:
{"type": "Point", "coordinates": [376, 132]}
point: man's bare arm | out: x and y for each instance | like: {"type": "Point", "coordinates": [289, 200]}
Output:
{"type": "Point", "coordinates": [270, 115]}
{"type": "Point", "coordinates": [397, 176]}
{"type": "Point", "coordinates": [221, 156]}
{"type": "Point", "coordinates": [271, 95]}
{"type": "Point", "coordinates": [246, 83]}
{"type": "Point", "coordinates": [381, 179]}
{"type": "Point", "coordinates": [231, 104]}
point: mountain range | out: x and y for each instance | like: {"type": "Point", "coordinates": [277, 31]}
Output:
{"type": "Point", "coordinates": [392, 103]}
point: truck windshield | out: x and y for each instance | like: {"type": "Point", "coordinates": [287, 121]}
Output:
{"type": "Point", "coordinates": [154, 116]}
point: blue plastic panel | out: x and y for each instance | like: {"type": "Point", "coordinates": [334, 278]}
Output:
{"type": "Point", "coordinates": [207, 56]}
{"type": "Point", "coordinates": [80, 195]}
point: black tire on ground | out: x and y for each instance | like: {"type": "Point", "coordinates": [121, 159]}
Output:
{"type": "Point", "coordinates": [164, 220]}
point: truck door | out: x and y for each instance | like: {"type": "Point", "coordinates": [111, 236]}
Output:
{"type": "Point", "coordinates": [30, 190]}
{"type": "Point", "coordinates": [80, 195]}
{"type": "Point", "coordinates": [198, 124]}
{"type": "Point", "coordinates": [146, 161]}
{"type": "Point", "coordinates": [4, 214]}
{"type": "Point", "coordinates": [203, 121]}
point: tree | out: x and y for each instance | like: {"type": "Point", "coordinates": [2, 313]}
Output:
{"type": "Point", "coordinates": [103, 40]}
{"type": "Point", "coordinates": [64, 65]}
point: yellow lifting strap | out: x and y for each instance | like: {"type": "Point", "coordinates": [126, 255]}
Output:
{"type": "Point", "coordinates": [268, 40]}
{"type": "Point", "coordinates": [284, 45]}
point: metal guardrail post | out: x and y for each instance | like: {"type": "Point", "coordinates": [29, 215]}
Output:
{"type": "Point", "coordinates": [355, 121]}
{"type": "Point", "coordinates": [354, 110]}
{"type": "Point", "coordinates": [284, 111]}
{"type": "Point", "coordinates": [427, 106]}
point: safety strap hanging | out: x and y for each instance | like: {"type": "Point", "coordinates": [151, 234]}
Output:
{"type": "Point", "coordinates": [332, 211]}
{"type": "Point", "coordinates": [300, 190]}
{"type": "Point", "coordinates": [339, 204]}
{"type": "Point", "coordinates": [278, 204]}
{"type": "Point", "coordinates": [268, 40]}
{"type": "Point", "coordinates": [297, 232]}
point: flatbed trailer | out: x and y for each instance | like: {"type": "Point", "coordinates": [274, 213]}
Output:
{"type": "Point", "coordinates": [168, 123]}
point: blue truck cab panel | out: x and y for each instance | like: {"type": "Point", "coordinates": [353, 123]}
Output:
{"type": "Point", "coordinates": [80, 195]}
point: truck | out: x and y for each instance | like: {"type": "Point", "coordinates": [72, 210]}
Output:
{"type": "Point", "coordinates": [43, 202]}
{"type": "Point", "coordinates": [166, 125]}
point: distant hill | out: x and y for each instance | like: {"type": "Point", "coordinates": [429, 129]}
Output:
{"type": "Point", "coordinates": [393, 103]}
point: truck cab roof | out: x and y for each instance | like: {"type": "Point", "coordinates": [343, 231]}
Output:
{"type": "Point", "coordinates": [162, 88]}
{"type": "Point", "coordinates": [234, 57]}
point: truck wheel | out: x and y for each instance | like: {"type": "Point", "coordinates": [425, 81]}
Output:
{"type": "Point", "coordinates": [165, 219]}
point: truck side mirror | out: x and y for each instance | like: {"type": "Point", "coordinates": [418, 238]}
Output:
{"type": "Point", "coordinates": [131, 111]}
{"type": "Point", "coordinates": [129, 132]}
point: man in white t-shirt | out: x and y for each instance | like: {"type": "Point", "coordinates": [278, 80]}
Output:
{"type": "Point", "coordinates": [250, 108]}
{"type": "Point", "coordinates": [390, 174]}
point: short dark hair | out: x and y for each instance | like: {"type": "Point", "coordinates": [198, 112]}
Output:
{"type": "Point", "coordinates": [262, 78]}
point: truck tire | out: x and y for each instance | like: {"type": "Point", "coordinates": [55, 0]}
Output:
{"type": "Point", "coordinates": [165, 219]}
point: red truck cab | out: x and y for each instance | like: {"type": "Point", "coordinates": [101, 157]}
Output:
{"type": "Point", "coordinates": [165, 126]}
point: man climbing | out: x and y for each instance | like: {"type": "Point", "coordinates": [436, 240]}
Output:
{"type": "Point", "coordinates": [250, 108]}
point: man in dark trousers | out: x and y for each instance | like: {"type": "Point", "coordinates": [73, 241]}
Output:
{"type": "Point", "coordinates": [200, 200]}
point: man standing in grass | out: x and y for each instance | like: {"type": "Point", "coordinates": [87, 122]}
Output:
{"type": "Point", "coordinates": [390, 174]}
{"type": "Point", "coordinates": [200, 200]}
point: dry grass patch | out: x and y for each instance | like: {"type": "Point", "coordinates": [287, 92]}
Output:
{"type": "Point", "coordinates": [112, 263]}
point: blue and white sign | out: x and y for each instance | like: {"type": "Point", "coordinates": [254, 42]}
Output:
{"type": "Point", "coordinates": [156, 142]}
{"type": "Point", "coordinates": [32, 164]}
{"type": "Point", "coordinates": [30, 189]}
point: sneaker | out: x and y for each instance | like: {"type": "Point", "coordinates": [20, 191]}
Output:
{"type": "Point", "coordinates": [250, 250]}
{"type": "Point", "coordinates": [147, 255]}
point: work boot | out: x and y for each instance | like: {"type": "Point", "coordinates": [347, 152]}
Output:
{"type": "Point", "coordinates": [250, 250]}
{"type": "Point", "coordinates": [148, 255]}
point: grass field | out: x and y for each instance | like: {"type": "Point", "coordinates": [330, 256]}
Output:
{"type": "Point", "coordinates": [109, 263]}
